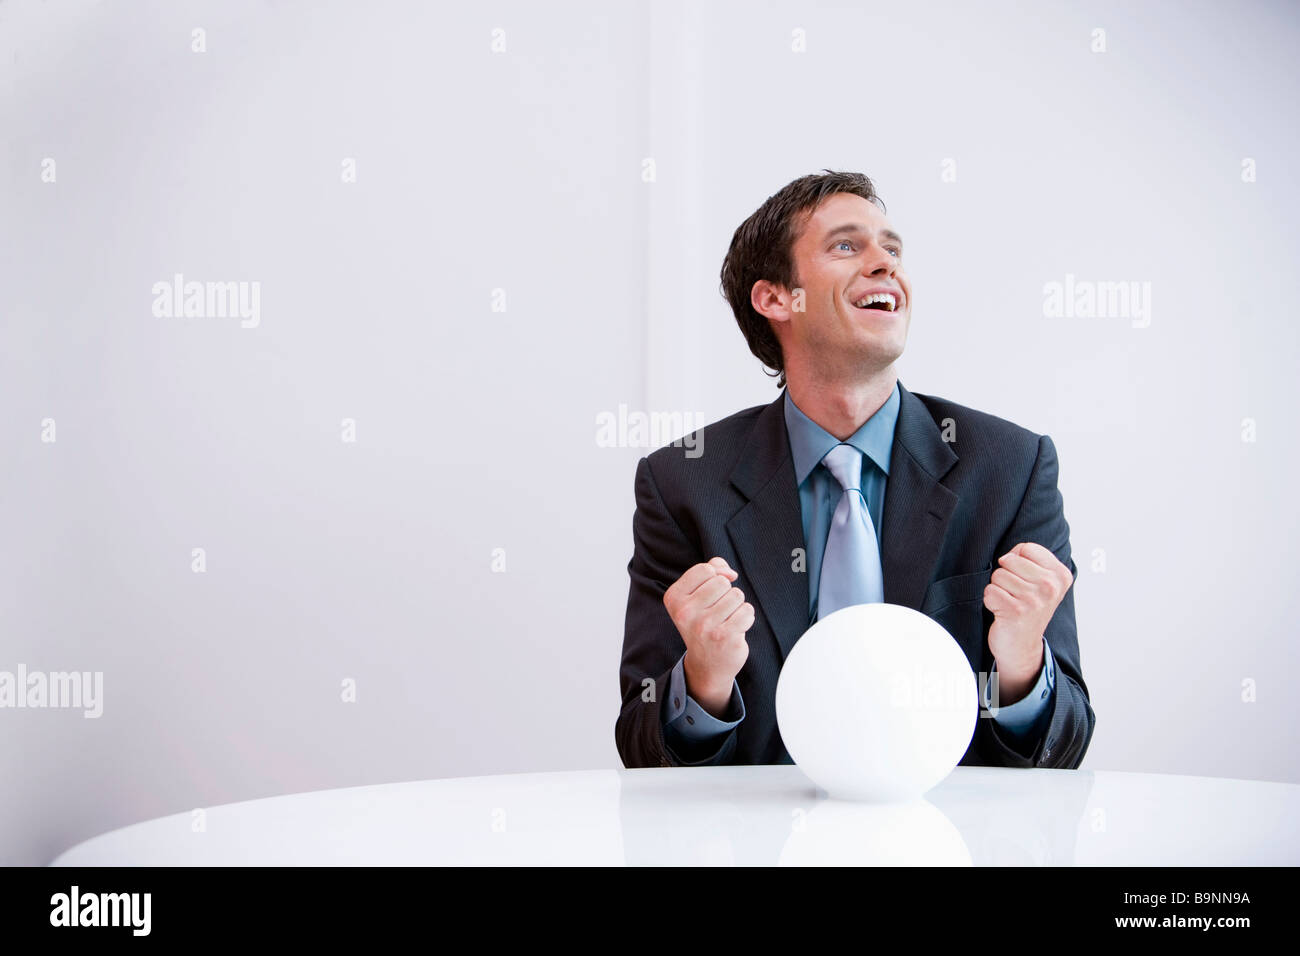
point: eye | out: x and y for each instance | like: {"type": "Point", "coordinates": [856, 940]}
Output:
{"type": "Point", "coordinates": [896, 251]}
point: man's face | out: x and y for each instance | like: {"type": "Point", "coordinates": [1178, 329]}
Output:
{"type": "Point", "coordinates": [846, 252]}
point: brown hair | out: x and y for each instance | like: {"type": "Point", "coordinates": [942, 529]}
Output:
{"type": "Point", "coordinates": [763, 248]}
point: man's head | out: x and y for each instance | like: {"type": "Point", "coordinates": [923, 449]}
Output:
{"type": "Point", "coordinates": [798, 267]}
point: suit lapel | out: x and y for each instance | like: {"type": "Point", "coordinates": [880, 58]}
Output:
{"type": "Point", "coordinates": [769, 527]}
{"type": "Point", "coordinates": [917, 507]}
{"type": "Point", "coordinates": [767, 530]}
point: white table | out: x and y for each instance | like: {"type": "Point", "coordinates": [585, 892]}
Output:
{"type": "Point", "coordinates": [732, 815]}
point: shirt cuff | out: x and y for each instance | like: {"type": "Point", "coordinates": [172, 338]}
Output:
{"type": "Point", "coordinates": [1022, 719]}
{"type": "Point", "coordinates": [684, 716]}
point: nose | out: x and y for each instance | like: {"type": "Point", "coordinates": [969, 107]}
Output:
{"type": "Point", "coordinates": [877, 260]}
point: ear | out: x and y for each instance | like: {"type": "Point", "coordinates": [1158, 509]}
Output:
{"type": "Point", "coordinates": [773, 301]}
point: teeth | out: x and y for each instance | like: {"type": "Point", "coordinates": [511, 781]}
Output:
{"type": "Point", "coordinates": [885, 297]}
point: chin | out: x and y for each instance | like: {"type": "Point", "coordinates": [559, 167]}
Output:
{"type": "Point", "coordinates": [887, 353]}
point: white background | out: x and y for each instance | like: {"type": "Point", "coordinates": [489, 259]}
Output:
{"type": "Point", "coordinates": [476, 429]}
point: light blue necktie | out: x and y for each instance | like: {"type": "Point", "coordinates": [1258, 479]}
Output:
{"type": "Point", "coordinates": [851, 572]}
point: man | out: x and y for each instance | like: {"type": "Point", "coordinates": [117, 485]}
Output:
{"type": "Point", "coordinates": [847, 489]}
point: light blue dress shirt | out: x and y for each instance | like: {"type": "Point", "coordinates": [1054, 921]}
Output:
{"type": "Point", "coordinates": [695, 735]}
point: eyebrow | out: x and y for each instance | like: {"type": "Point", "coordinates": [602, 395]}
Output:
{"type": "Point", "coordinates": [853, 228]}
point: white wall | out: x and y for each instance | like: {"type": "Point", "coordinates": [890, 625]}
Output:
{"type": "Point", "coordinates": [475, 429]}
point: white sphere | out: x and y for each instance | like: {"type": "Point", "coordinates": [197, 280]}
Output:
{"type": "Point", "coordinates": [876, 702]}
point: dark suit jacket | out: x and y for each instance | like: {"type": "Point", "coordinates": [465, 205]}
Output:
{"type": "Point", "coordinates": [951, 509]}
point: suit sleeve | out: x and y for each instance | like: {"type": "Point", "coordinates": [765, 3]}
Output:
{"type": "Point", "coordinates": [661, 553]}
{"type": "Point", "coordinates": [691, 733]}
{"type": "Point", "coordinates": [1068, 730]}
{"type": "Point", "coordinates": [1026, 719]}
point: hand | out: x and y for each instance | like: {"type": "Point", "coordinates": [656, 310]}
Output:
{"type": "Point", "coordinates": [1023, 594]}
{"type": "Point", "coordinates": [712, 618]}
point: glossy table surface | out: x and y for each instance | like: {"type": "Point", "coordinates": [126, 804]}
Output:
{"type": "Point", "coordinates": [766, 815]}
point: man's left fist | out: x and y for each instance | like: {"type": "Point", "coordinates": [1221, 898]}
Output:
{"type": "Point", "coordinates": [1023, 594]}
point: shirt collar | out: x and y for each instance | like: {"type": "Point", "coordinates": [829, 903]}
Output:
{"type": "Point", "coordinates": [809, 442]}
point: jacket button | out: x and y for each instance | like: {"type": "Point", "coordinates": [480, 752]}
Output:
{"type": "Point", "coordinates": [677, 702]}
{"type": "Point", "coordinates": [690, 720]}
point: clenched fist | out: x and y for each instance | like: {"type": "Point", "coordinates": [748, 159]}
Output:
{"type": "Point", "coordinates": [1023, 594]}
{"type": "Point", "coordinates": [712, 618]}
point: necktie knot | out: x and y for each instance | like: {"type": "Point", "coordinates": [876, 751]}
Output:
{"type": "Point", "coordinates": [845, 463]}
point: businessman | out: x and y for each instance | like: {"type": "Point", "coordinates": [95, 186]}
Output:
{"type": "Point", "coordinates": [847, 489]}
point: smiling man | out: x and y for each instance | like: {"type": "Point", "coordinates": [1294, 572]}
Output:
{"type": "Point", "coordinates": [847, 489]}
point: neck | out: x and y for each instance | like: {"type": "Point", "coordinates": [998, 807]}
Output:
{"type": "Point", "coordinates": [841, 407]}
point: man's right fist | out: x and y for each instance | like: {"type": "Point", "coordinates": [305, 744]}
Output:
{"type": "Point", "coordinates": [712, 618]}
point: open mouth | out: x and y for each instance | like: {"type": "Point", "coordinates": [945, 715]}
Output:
{"type": "Point", "coordinates": [877, 302]}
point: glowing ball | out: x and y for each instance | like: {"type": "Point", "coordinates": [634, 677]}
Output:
{"type": "Point", "coordinates": [876, 702]}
